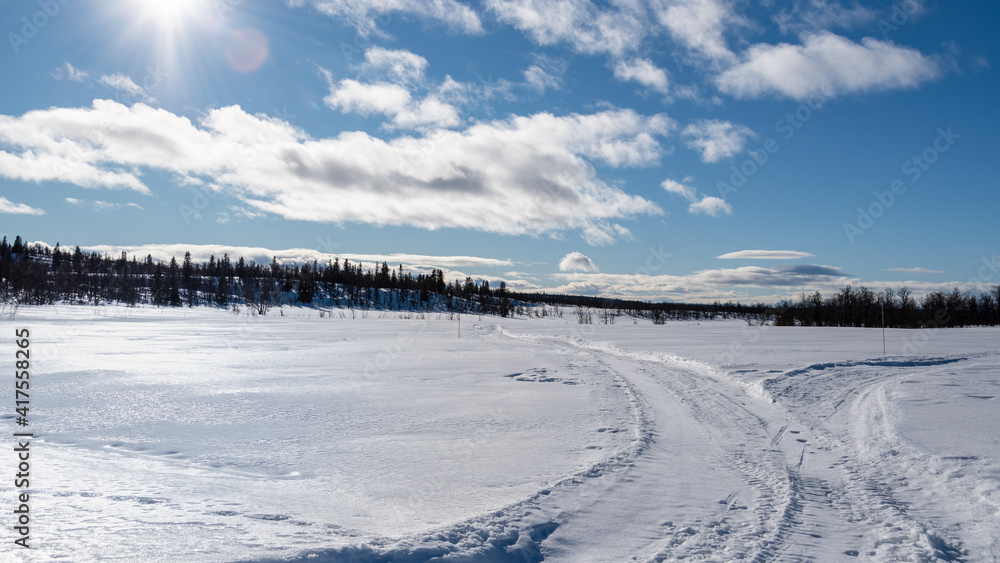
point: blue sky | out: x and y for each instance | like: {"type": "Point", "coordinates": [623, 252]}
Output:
{"type": "Point", "coordinates": [669, 149]}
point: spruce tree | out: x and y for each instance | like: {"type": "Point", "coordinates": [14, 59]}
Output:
{"type": "Point", "coordinates": [174, 283]}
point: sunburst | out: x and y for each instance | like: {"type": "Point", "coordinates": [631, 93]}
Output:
{"type": "Point", "coordinates": [171, 22]}
{"type": "Point", "coordinates": [170, 15]}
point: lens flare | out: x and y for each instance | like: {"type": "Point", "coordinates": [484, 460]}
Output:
{"type": "Point", "coordinates": [246, 50]}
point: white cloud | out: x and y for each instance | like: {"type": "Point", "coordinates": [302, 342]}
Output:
{"type": "Point", "coordinates": [616, 137]}
{"type": "Point", "coordinates": [644, 72]}
{"type": "Point", "coordinates": [764, 255]}
{"type": "Point", "coordinates": [393, 101]}
{"type": "Point", "coordinates": [66, 71]}
{"type": "Point", "coordinates": [707, 205]}
{"type": "Point", "coordinates": [621, 29]}
{"type": "Point", "coordinates": [7, 206]}
{"type": "Point", "coordinates": [622, 232]}
{"type": "Point", "coordinates": [354, 97]}
{"type": "Point", "coordinates": [818, 15]}
{"type": "Point", "coordinates": [522, 175]}
{"type": "Point", "coordinates": [62, 166]}
{"type": "Point", "coordinates": [544, 74]}
{"type": "Point", "coordinates": [699, 25]}
{"type": "Point", "coordinates": [105, 205]}
{"type": "Point", "coordinates": [683, 190]}
{"type": "Point", "coordinates": [124, 84]}
{"type": "Point", "coordinates": [369, 15]}
{"type": "Point", "coordinates": [785, 282]}
{"type": "Point", "coordinates": [705, 285]}
{"type": "Point", "coordinates": [98, 205]}
{"type": "Point", "coordinates": [238, 212]}
{"type": "Point", "coordinates": [540, 79]}
{"type": "Point", "coordinates": [202, 252]}
{"type": "Point", "coordinates": [615, 28]}
{"type": "Point", "coordinates": [479, 93]}
{"type": "Point", "coordinates": [604, 233]}
{"type": "Point", "coordinates": [401, 64]}
{"type": "Point", "coordinates": [100, 147]}
{"type": "Point", "coordinates": [429, 112]}
{"type": "Point", "coordinates": [716, 139]}
{"type": "Point", "coordinates": [914, 270]}
{"type": "Point", "coordinates": [711, 205]}
{"type": "Point", "coordinates": [828, 65]}
{"type": "Point", "coordinates": [577, 261]}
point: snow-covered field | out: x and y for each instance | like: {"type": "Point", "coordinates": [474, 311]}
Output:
{"type": "Point", "coordinates": [199, 435]}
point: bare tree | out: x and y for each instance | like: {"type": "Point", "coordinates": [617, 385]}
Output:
{"type": "Point", "coordinates": [260, 294]}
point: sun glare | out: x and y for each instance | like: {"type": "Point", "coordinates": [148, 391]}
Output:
{"type": "Point", "coordinates": [171, 27]}
{"type": "Point", "coordinates": [171, 16]}
{"type": "Point", "coordinates": [187, 38]}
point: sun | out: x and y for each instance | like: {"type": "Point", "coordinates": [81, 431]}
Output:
{"type": "Point", "coordinates": [170, 14]}
{"type": "Point", "coordinates": [170, 18]}
{"type": "Point", "coordinates": [172, 10]}
{"type": "Point", "coordinates": [170, 27]}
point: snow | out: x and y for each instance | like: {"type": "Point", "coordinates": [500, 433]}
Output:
{"type": "Point", "coordinates": [200, 435]}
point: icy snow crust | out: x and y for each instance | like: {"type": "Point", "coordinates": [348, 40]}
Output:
{"type": "Point", "coordinates": [200, 435]}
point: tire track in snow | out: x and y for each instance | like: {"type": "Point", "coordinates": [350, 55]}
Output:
{"type": "Point", "coordinates": [773, 503]}
{"type": "Point", "coordinates": [871, 471]}
{"type": "Point", "coordinates": [745, 437]}
{"type": "Point", "coordinates": [796, 502]}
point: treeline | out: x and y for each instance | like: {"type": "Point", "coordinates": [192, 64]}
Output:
{"type": "Point", "coordinates": [659, 313]}
{"type": "Point", "coordinates": [38, 275]}
{"type": "Point", "coordinates": [896, 308]}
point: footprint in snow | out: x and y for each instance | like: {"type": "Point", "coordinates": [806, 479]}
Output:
{"type": "Point", "coordinates": [270, 517]}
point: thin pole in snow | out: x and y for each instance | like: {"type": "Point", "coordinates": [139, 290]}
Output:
{"type": "Point", "coordinates": [883, 330]}
{"type": "Point", "coordinates": [460, 324]}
